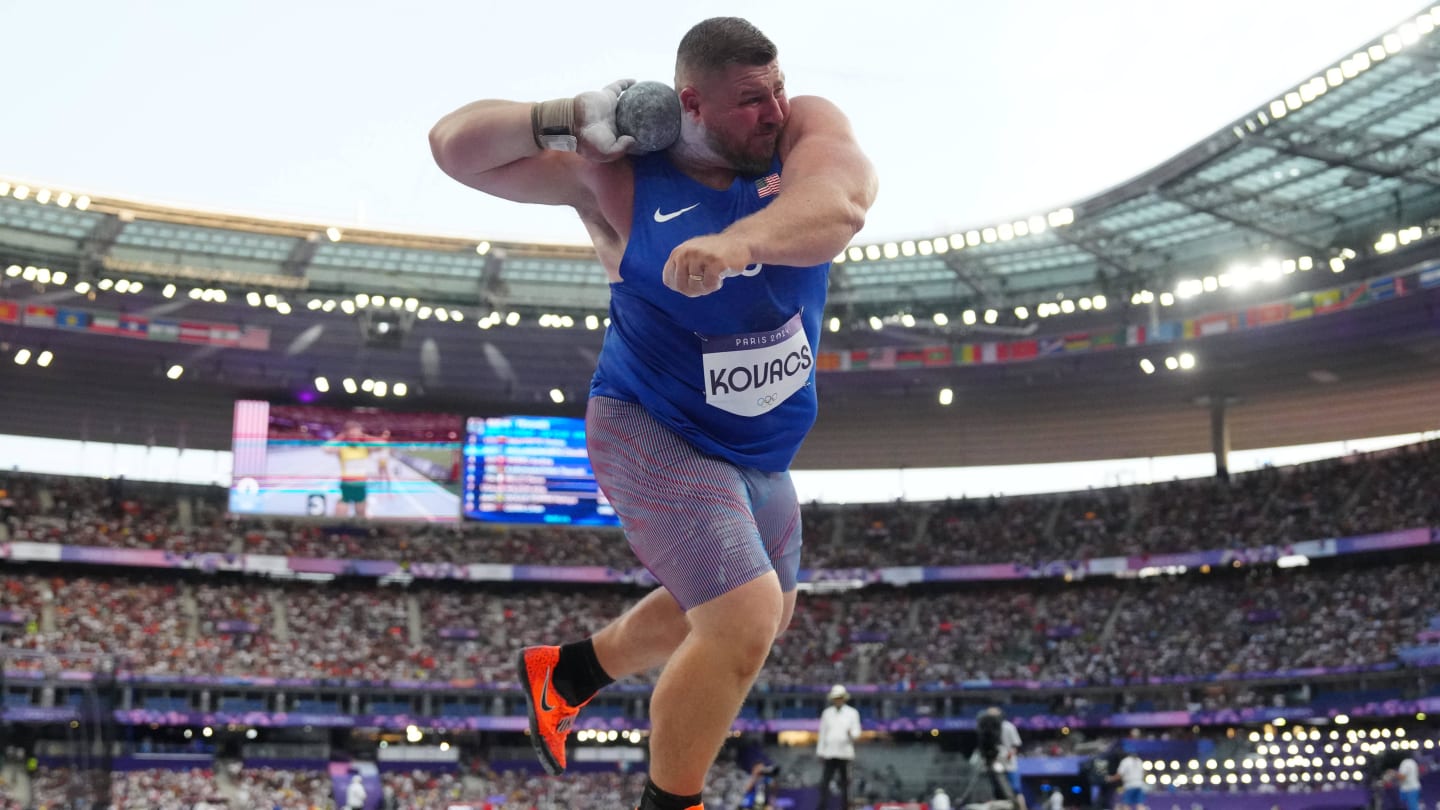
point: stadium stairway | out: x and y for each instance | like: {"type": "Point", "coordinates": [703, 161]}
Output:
{"type": "Point", "coordinates": [281, 627]}
{"type": "Point", "coordinates": [414, 625]}
{"type": "Point", "coordinates": [190, 609]}
{"type": "Point", "coordinates": [225, 771]}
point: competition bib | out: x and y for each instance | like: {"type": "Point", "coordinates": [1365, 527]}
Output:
{"type": "Point", "coordinates": [748, 375]}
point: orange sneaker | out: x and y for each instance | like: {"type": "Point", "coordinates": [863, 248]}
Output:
{"type": "Point", "coordinates": [550, 716]}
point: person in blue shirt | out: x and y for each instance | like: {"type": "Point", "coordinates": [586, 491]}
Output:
{"type": "Point", "coordinates": [717, 251]}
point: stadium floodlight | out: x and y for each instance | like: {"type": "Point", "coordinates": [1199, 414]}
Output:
{"type": "Point", "coordinates": [907, 248]}
{"type": "Point", "coordinates": [334, 233]}
{"type": "Point", "coordinates": [557, 396]}
{"type": "Point", "coordinates": [872, 252]}
{"type": "Point", "coordinates": [1187, 362]}
{"type": "Point", "coordinates": [991, 316]}
{"type": "Point", "coordinates": [349, 385]}
{"type": "Point", "coordinates": [1021, 227]}
{"type": "Point", "coordinates": [1337, 265]}
{"type": "Point", "coordinates": [44, 359]}
{"type": "Point", "coordinates": [989, 236]}
{"type": "Point", "coordinates": [1005, 231]}
{"type": "Point", "coordinates": [856, 254]}
{"type": "Point", "coordinates": [972, 238]}
{"type": "Point", "coordinates": [940, 319]}
{"type": "Point", "coordinates": [968, 317]}
{"type": "Point", "coordinates": [1386, 243]}
{"type": "Point", "coordinates": [82, 203]}
{"type": "Point", "coordinates": [377, 300]}
{"type": "Point", "coordinates": [1172, 363]}
{"type": "Point", "coordinates": [174, 373]}
{"type": "Point", "coordinates": [947, 396]}
{"type": "Point", "coordinates": [322, 385]}
{"type": "Point", "coordinates": [400, 389]}
{"type": "Point", "coordinates": [367, 385]}
{"type": "Point", "coordinates": [957, 241]}
{"type": "Point", "coordinates": [107, 283]}
{"type": "Point", "coordinates": [59, 277]}
{"type": "Point", "coordinates": [834, 323]}
{"type": "Point", "coordinates": [482, 248]}
{"type": "Point", "coordinates": [592, 323]}
{"type": "Point", "coordinates": [43, 196]}
{"type": "Point", "coordinates": [484, 323]}
{"type": "Point", "coordinates": [347, 306]}
{"type": "Point", "coordinates": [380, 389]}
{"type": "Point", "coordinates": [1167, 299]}
{"type": "Point", "coordinates": [876, 323]}
{"type": "Point", "coordinates": [925, 247]}
{"type": "Point", "coordinates": [22, 357]}
{"type": "Point", "coordinates": [20, 192]}
{"type": "Point", "coordinates": [1149, 368]}
{"type": "Point", "coordinates": [907, 320]}
{"type": "Point", "coordinates": [82, 288]}
{"type": "Point", "coordinates": [252, 298]}
{"type": "Point", "coordinates": [395, 302]}
{"type": "Point", "coordinates": [442, 315]}
{"type": "Point", "coordinates": [839, 258]}
{"type": "Point", "coordinates": [313, 304]}
{"type": "Point", "coordinates": [424, 313]}
{"type": "Point", "coordinates": [411, 304]}
{"type": "Point", "coordinates": [513, 319]}
{"type": "Point", "coordinates": [64, 199]}
{"type": "Point", "coordinates": [14, 270]}
{"type": "Point", "coordinates": [1277, 109]}
{"type": "Point", "coordinates": [1067, 306]}
{"type": "Point", "coordinates": [943, 245]}
{"type": "Point", "coordinates": [1022, 313]}
{"type": "Point", "coordinates": [456, 315]}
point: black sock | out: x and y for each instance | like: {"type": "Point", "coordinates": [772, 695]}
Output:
{"type": "Point", "coordinates": [656, 799]}
{"type": "Point", "coordinates": [578, 674]}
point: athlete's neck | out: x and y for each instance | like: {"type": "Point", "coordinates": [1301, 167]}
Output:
{"type": "Point", "coordinates": [693, 155]}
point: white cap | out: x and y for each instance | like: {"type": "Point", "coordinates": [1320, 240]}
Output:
{"type": "Point", "coordinates": [838, 691]}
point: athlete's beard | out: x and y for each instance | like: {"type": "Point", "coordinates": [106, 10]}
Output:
{"type": "Point", "coordinates": [697, 142]}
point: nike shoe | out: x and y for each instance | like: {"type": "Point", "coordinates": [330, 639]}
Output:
{"type": "Point", "coordinates": [550, 716]}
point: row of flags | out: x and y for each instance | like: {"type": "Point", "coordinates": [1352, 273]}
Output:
{"type": "Point", "coordinates": [119, 324]}
{"type": "Point", "coordinates": [1296, 308]}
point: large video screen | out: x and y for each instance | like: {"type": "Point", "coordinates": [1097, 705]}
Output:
{"type": "Point", "coordinates": [351, 463]}
{"type": "Point", "coordinates": [532, 469]}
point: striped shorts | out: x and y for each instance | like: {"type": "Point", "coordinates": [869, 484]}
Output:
{"type": "Point", "coordinates": [702, 525]}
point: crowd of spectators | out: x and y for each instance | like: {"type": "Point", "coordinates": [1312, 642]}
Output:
{"type": "Point", "coordinates": [1251, 620]}
{"type": "Point", "coordinates": [1339, 497]}
{"type": "Point", "coordinates": [269, 787]}
{"type": "Point", "coordinates": [159, 789]}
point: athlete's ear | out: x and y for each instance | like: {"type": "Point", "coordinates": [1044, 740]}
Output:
{"type": "Point", "coordinates": [690, 100]}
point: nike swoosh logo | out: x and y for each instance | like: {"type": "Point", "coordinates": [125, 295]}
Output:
{"type": "Point", "coordinates": [545, 693]}
{"type": "Point", "coordinates": [659, 217]}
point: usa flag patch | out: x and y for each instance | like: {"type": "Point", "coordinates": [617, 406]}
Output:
{"type": "Point", "coordinates": [768, 185]}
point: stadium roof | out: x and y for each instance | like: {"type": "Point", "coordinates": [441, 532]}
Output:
{"type": "Point", "coordinates": [1332, 163]}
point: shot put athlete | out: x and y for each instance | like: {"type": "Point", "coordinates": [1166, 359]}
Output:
{"type": "Point", "coordinates": [718, 251]}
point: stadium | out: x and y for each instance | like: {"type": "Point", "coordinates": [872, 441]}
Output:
{"type": "Point", "coordinates": [1155, 473]}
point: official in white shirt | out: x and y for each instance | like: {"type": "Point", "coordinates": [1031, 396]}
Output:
{"type": "Point", "coordinates": [941, 800]}
{"type": "Point", "coordinates": [839, 729]}
{"type": "Point", "coordinates": [1131, 776]}
{"type": "Point", "coordinates": [355, 794]}
{"type": "Point", "coordinates": [1409, 773]}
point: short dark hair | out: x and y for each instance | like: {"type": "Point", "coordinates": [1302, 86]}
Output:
{"type": "Point", "coordinates": [719, 42]}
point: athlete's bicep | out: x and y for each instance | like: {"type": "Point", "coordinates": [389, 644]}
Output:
{"type": "Point", "coordinates": [819, 146]}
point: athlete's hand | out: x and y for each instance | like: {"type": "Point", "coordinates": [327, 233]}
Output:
{"type": "Point", "coordinates": [595, 132]}
{"type": "Point", "coordinates": [699, 266]}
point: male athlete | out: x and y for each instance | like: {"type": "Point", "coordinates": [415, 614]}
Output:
{"type": "Point", "coordinates": [353, 447]}
{"type": "Point", "coordinates": [717, 251]}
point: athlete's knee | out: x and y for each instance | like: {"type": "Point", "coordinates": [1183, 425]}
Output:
{"type": "Point", "coordinates": [743, 623]}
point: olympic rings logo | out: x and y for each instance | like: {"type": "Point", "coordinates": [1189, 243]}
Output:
{"type": "Point", "coordinates": [768, 399]}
